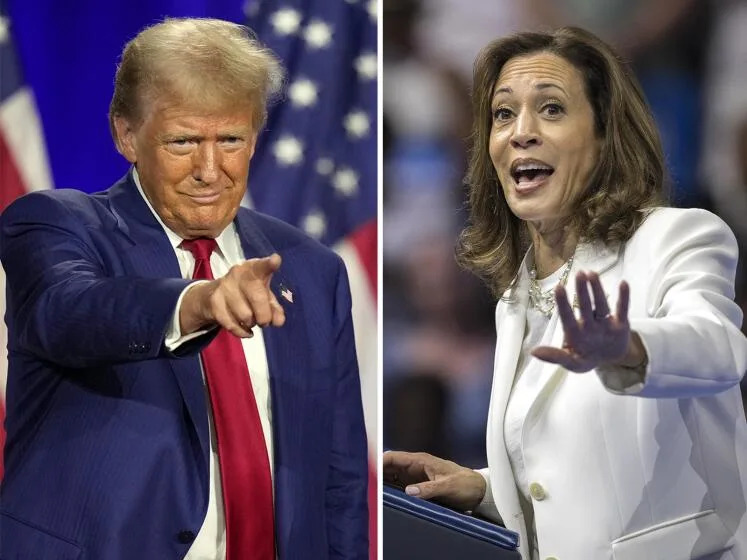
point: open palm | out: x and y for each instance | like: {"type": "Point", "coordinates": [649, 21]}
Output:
{"type": "Point", "coordinates": [596, 337]}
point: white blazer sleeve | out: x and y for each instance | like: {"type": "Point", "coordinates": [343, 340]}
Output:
{"type": "Point", "coordinates": [691, 332]}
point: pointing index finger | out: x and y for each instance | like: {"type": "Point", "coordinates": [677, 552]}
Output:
{"type": "Point", "coordinates": [265, 267]}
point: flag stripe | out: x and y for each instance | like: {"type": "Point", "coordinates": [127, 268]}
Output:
{"type": "Point", "coordinates": [10, 178]}
{"type": "Point", "coordinates": [21, 126]}
{"type": "Point", "coordinates": [23, 167]}
{"type": "Point", "coordinates": [365, 242]}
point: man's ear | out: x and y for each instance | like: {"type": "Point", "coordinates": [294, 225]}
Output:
{"type": "Point", "coordinates": [125, 138]}
{"type": "Point", "coordinates": [252, 144]}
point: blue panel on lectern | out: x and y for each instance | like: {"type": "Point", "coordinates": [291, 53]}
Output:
{"type": "Point", "coordinates": [445, 517]}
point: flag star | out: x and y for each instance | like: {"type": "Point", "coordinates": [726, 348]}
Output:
{"type": "Point", "coordinates": [314, 224]}
{"type": "Point", "coordinates": [303, 92]}
{"type": "Point", "coordinates": [366, 65]}
{"type": "Point", "coordinates": [251, 7]}
{"type": "Point", "coordinates": [318, 34]}
{"type": "Point", "coordinates": [357, 124]}
{"type": "Point", "coordinates": [345, 181]}
{"type": "Point", "coordinates": [373, 9]}
{"type": "Point", "coordinates": [4, 24]}
{"type": "Point", "coordinates": [288, 150]}
{"type": "Point", "coordinates": [324, 166]}
{"type": "Point", "coordinates": [286, 21]}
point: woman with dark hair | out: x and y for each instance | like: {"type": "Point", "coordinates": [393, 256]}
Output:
{"type": "Point", "coordinates": [616, 427]}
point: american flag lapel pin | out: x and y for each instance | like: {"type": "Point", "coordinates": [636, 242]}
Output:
{"type": "Point", "coordinates": [286, 293]}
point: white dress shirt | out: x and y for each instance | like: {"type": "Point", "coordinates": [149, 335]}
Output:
{"type": "Point", "coordinates": [210, 543]}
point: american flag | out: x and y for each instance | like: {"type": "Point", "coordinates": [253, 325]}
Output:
{"type": "Point", "coordinates": [316, 163]}
{"type": "Point", "coordinates": [23, 160]}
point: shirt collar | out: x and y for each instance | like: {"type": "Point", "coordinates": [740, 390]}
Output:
{"type": "Point", "coordinates": [227, 241]}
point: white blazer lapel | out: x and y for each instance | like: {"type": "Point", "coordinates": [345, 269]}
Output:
{"type": "Point", "coordinates": [511, 322]}
{"type": "Point", "coordinates": [511, 316]}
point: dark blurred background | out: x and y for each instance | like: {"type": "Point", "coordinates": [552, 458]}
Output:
{"type": "Point", "coordinates": [691, 58]}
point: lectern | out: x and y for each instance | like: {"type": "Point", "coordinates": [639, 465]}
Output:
{"type": "Point", "coordinates": [415, 529]}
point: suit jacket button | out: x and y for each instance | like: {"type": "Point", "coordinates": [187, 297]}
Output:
{"type": "Point", "coordinates": [185, 537]}
{"type": "Point", "coordinates": [537, 492]}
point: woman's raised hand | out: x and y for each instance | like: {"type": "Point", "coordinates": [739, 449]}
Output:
{"type": "Point", "coordinates": [596, 338]}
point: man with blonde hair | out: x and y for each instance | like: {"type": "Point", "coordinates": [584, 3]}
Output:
{"type": "Point", "coordinates": [182, 372]}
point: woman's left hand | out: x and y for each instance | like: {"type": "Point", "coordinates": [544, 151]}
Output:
{"type": "Point", "coordinates": [597, 337]}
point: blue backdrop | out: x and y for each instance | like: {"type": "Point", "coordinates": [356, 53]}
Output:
{"type": "Point", "coordinates": [68, 53]}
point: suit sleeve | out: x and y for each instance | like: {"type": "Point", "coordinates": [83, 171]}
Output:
{"type": "Point", "coordinates": [347, 482]}
{"type": "Point", "coordinates": [692, 330]}
{"type": "Point", "coordinates": [62, 304]}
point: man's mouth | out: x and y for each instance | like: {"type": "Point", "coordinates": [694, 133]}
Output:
{"type": "Point", "coordinates": [205, 198]}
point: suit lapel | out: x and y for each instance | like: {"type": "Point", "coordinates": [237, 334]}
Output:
{"type": "Point", "coordinates": [513, 307]}
{"type": "Point", "coordinates": [151, 255]}
{"type": "Point", "coordinates": [508, 344]}
{"type": "Point", "coordinates": [287, 351]}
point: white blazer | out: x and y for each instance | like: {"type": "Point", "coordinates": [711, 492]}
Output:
{"type": "Point", "coordinates": [653, 471]}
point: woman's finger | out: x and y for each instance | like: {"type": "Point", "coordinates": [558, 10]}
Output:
{"type": "Point", "coordinates": [601, 308]}
{"type": "Point", "coordinates": [561, 357]}
{"type": "Point", "coordinates": [584, 301]}
{"type": "Point", "coordinates": [623, 300]}
{"type": "Point", "coordinates": [570, 324]}
{"type": "Point", "coordinates": [552, 355]}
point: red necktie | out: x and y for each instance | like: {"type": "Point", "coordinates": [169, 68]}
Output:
{"type": "Point", "coordinates": [244, 465]}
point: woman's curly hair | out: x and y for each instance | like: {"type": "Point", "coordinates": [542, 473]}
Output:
{"type": "Point", "coordinates": [629, 176]}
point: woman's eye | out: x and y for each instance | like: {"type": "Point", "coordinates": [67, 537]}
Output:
{"type": "Point", "coordinates": [553, 109]}
{"type": "Point", "coordinates": [502, 114]}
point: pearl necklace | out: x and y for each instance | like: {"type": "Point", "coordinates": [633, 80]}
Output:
{"type": "Point", "coordinates": [544, 302]}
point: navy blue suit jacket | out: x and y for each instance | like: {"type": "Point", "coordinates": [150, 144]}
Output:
{"type": "Point", "coordinates": [107, 432]}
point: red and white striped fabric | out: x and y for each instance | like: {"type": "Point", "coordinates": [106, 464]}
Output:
{"type": "Point", "coordinates": [23, 168]}
{"type": "Point", "coordinates": [359, 251]}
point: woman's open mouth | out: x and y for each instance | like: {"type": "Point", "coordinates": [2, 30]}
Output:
{"type": "Point", "coordinates": [528, 174]}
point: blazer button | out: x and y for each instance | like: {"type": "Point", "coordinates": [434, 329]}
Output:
{"type": "Point", "coordinates": [537, 492]}
{"type": "Point", "coordinates": [185, 537]}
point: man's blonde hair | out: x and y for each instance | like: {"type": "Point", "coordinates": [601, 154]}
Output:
{"type": "Point", "coordinates": [206, 63]}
